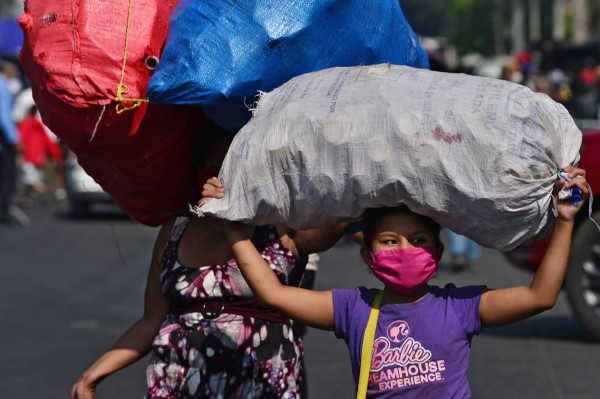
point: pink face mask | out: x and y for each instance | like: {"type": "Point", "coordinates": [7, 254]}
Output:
{"type": "Point", "coordinates": [405, 270]}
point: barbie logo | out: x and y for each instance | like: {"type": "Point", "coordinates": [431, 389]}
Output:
{"type": "Point", "coordinates": [398, 331]}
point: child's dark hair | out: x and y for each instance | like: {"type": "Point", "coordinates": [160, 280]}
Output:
{"type": "Point", "coordinates": [371, 221]}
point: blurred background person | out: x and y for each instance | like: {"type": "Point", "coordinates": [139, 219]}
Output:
{"type": "Point", "coordinates": [464, 252]}
{"type": "Point", "coordinates": [37, 148]}
{"type": "Point", "coordinates": [9, 140]}
{"type": "Point", "coordinates": [586, 96]}
{"type": "Point", "coordinates": [54, 150]}
{"type": "Point", "coordinates": [12, 74]}
{"type": "Point", "coordinates": [559, 88]}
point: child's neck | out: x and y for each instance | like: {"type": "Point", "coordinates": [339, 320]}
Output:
{"type": "Point", "coordinates": [390, 296]}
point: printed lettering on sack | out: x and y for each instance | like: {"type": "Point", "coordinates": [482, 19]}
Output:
{"type": "Point", "coordinates": [401, 361]}
{"type": "Point", "coordinates": [282, 97]}
{"type": "Point", "coordinates": [336, 88]}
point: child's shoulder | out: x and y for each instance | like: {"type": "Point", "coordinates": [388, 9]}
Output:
{"type": "Point", "coordinates": [359, 294]}
{"type": "Point", "coordinates": [451, 291]}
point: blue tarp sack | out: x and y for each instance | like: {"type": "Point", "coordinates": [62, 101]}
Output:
{"type": "Point", "coordinates": [220, 53]}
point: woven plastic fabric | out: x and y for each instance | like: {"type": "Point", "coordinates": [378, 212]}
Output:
{"type": "Point", "coordinates": [77, 46]}
{"type": "Point", "coordinates": [478, 155]}
{"type": "Point", "coordinates": [150, 174]}
{"type": "Point", "coordinates": [73, 55]}
{"type": "Point", "coordinates": [220, 53]}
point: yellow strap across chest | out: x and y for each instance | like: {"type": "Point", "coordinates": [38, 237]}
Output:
{"type": "Point", "coordinates": [367, 347]}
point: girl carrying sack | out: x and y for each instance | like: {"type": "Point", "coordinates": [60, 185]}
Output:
{"type": "Point", "coordinates": [478, 155]}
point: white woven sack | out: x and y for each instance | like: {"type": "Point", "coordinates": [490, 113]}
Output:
{"type": "Point", "coordinates": [477, 155]}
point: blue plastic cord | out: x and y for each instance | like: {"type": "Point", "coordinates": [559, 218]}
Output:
{"type": "Point", "coordinates": [575, 197]}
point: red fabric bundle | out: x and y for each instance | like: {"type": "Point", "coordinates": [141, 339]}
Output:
{"type": "Point", "coordinates": [73, 55]}
{"type": "Point", "coordinates": [76, 48]}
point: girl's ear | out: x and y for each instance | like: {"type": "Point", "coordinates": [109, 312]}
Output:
{"type": "Point", "coordinates": [440, 252]}
{"type": "Point", "coordinates": [365, 254]}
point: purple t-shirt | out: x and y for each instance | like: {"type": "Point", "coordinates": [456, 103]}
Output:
{"type": "Point", "coordinates": [421, 349]}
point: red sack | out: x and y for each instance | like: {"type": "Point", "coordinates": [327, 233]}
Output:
{"type": "Point", "coordinates": [76, 48]}
{"type": "Point", "coordinates": [73, 54]}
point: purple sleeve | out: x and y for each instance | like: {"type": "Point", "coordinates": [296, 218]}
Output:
{"type": "Point", "coordinates": [343, 300]}
{"type": "Point", "coordinates": [465, 305]}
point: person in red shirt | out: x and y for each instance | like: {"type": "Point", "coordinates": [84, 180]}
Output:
{"type": "Point", "coordinates": [37, 147]}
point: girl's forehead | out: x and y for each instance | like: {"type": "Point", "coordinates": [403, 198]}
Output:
{"type": "Point", "coordinates": [402, 222]}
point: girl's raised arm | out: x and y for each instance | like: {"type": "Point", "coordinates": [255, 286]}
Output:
{"type": "Point", "coordinates": [504, 306]}
{"type": "Point", "coordinates": [313, 308]}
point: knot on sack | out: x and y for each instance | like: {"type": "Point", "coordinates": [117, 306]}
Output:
{"type": "Point", "coordinates": [197, 209]}
{"type": "Point", "coordinates": [574, 195]}
{"type": "Point", "coordinates": [125, 104]}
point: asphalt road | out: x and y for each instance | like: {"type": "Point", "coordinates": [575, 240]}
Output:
{"type": "Point", "coordinates": [69, 288]}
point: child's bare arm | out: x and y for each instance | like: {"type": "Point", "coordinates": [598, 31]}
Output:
{"type": "Point", "coordinates": [313, 308]}
{"type": "Point", "coordinates": [504, 306]}
{"type": "Point", "coordinates": [319, 240]}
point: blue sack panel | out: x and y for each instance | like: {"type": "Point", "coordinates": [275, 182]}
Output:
{"type": "Point", "coordinates": [220, 53]}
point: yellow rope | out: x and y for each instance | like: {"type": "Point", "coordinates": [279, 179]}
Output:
{"type": "Point", "coordinates": [122, 88]}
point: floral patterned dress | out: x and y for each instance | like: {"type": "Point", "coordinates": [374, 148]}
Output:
{"type": "Point", "coordinates": [231, 355]}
